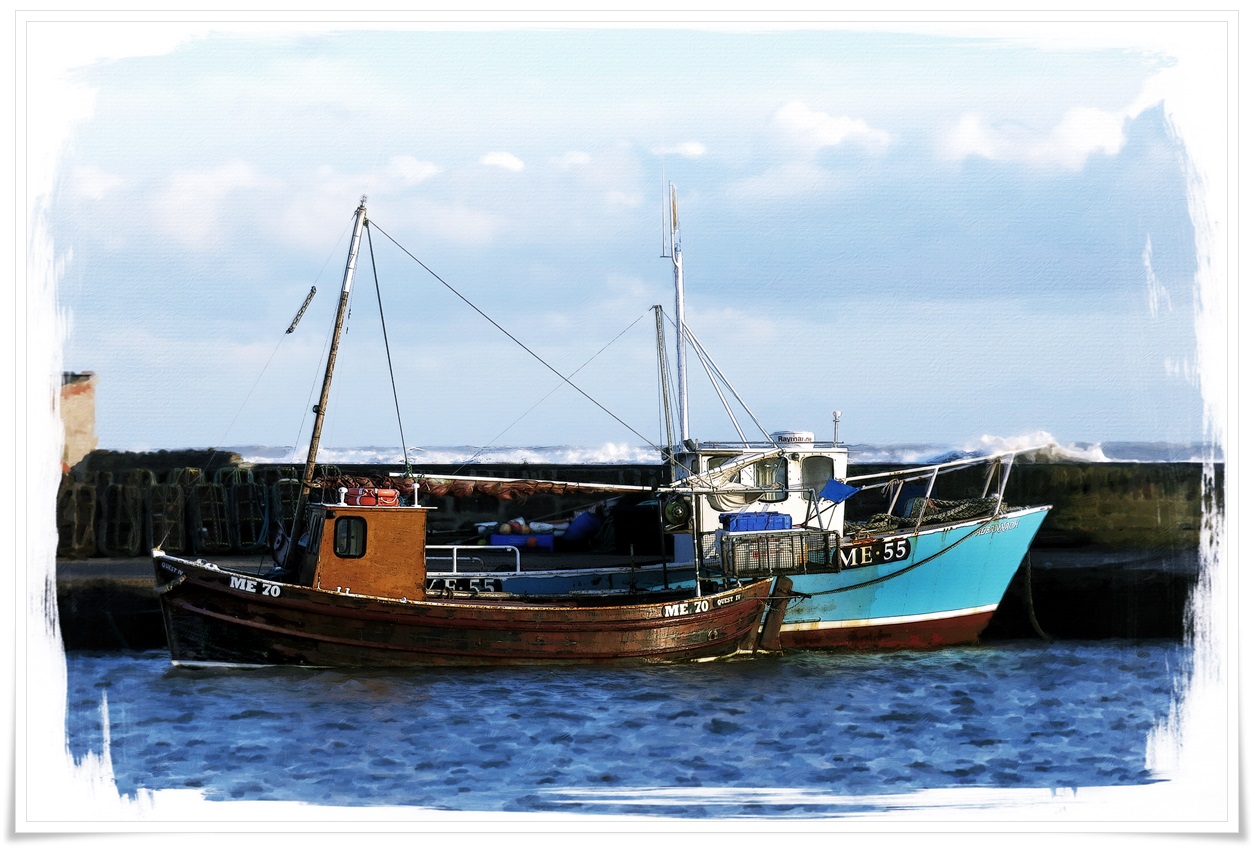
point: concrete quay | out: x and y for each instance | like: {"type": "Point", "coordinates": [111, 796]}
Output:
{"type": "Point", "coordinates": [1116, 558]}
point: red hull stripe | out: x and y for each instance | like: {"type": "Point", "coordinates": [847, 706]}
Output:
{"type": "Point", "coordinates": [904, 633]}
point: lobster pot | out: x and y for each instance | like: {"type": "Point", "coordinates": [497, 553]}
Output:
{"type": "Point", "coordinates": [752, 555]}
{"type": "Point", "coordinates": [230, 476]}
{"type": "Point", "coordinates": [167, 518]}
{"type": "Point", "coordinates": [76, 520]}
{"type": "Point", "coordinates": [273, 475]}
{"type": "Point", "coordinates": [285, 497]}
{"type": "Point", "coordinates": [100, 481]}
{"type": "Point", "coordinates": [185, 477]}
{"type": "Point", "coordinates": [139, 478]}
{"type": "Point", "coordinates": [120, 532]}
{"type": "Point", "coordinates": [207, 519]}
{"type": "Point", "coordinates": [249, 520]}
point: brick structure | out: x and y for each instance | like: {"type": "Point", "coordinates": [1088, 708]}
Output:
{"type": "Point", "coordinates": [78, 416]}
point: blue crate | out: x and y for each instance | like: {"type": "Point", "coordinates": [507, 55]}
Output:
{"type": "Point", "coordinates": [763, 521]}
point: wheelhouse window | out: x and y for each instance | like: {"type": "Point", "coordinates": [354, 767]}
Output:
{"type": "Point", "coordinates": [816, 472]}
{"type": "Point", "coordinates": [728, 500]}
{"type": "Point", "coordinates": [350, 536]}
{"type": "Point", "coordinates": [772, 474]}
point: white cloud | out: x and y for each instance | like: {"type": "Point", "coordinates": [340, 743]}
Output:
{"type": "Point", "coordinates": [412, 171]}
{"type": "Point", "coordinates": [971, 137]}
{"type": "Point", "coordinates": [1084, 131]}
{"type": "Point", "coordinates": [189, 206]}
{"type": "Point", "coordinates": [502, 159]}
{"type": "Point", "coordinates": [1081, 133]}
{"type": "Point", "coordinates": [814, 130]}
{"type": "Point", "coordinates": [689, 149]}
{"type": "Point", "coordinates": [93, 183]}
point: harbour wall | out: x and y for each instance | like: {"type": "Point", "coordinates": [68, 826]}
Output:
{"type": "Point", "coordinates": [1117, 556]}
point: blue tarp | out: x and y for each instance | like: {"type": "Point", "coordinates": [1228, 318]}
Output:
{"type": "Point", "coordinates": [836, 491]}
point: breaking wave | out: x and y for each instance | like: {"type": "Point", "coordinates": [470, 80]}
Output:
{"type": "Point", "coordinates": [612, 453]}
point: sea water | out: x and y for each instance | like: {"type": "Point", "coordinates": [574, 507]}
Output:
{"type": "Point", "coordinates": [799, 736]}
{"type": "Point", "coordinates": [796, 737]}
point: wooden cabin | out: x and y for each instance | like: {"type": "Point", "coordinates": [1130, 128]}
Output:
{"type": "Point", "coordinates": [367, 549]}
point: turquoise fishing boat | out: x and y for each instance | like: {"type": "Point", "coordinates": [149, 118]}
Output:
{"type": "Point", "coordinates": [902, 558]}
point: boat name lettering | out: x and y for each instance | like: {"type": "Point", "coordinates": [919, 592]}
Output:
{"type": "Point", "coordinates": [169, 567]}
{"type": "Point", "coordinates": [251, 586]}
{"type": "Point", "coordinates": [871, 553]}
{"type": "Point", "coordinates": [999, 527]}
{"type": "Point", "coordinates": [697, 605]}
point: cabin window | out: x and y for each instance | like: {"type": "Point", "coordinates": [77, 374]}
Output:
{"type": "Point", "coordinates": [816, 472]}
{"type": "Point", "coordinates": [772, 474]}
{"type": "Point", "coordinates": [350, 536]}
{"type": "Point", "coordinates": [728, 500]}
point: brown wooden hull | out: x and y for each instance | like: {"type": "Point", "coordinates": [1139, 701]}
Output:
{"type": "Point", "coordinates": [213, 616]}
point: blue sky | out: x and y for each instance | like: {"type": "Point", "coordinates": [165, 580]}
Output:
{"type": "Point", "coordinates": [945, 233]}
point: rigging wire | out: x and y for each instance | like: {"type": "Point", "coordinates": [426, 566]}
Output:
{"type": "Point", "coordinates": [313, 388]}
{"type": "Point", "coordinates": [713, 372]}
{"type": "Point", "coordinates": [405, 452]}
{"type": "Point", "coordinates": [542, 400]}
{"type": "Point", "coordinates": [710, 375]}
{"type": "Point", "coordinates": [515, 339]}
{"type": "Point", "coordinates": [664, 388]}
{"type": "Point", "coordinates": [279, 344]}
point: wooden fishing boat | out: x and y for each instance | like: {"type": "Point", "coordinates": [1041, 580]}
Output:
{"type": "Point", "coordinates": [354, 594]}
{"type": "Point", "coordinates": [362, 602]}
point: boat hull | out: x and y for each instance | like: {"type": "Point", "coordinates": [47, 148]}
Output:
{"type": "Point", "coordinates": [214, 616]}
{"type": "Point", "coordinates": [943, 594]}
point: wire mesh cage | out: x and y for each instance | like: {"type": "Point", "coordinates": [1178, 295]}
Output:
{"type": "Point", "coordinates": [753, 555]}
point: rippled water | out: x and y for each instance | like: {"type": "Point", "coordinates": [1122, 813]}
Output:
{"type": "Point", "coordinates": [776, 737]}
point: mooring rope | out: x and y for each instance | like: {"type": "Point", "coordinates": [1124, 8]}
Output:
{"type": "Point", "coordinates": [1028, 599]}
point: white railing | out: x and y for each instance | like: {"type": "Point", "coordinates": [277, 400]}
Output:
{"type": "Point", "coordinates": [455, 557]}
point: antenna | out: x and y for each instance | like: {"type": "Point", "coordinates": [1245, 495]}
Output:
{"type": "Point", "coordinates": [681, 364]}
{"type": "Point", "coordinates": [675, 220]}
{"type": "Point", "coordinates": [668, 242]}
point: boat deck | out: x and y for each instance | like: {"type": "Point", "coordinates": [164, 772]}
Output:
{"type": "Point", "coordinates": [140, 569]}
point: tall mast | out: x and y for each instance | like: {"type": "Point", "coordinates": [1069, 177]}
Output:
{"type": "Point", "coordinates": [307, 480]}
{"type": "Point", "coordinates": [665, 383]}
{"type": "Point", "coordinates": [681, 359]}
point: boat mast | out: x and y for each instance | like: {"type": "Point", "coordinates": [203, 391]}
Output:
{"type": "Point", "coordinates": [681, 360]}
{"type": "Point", "coordinates": [663, 377]}
{"type": "Point", "coordinates": [307, 480]}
